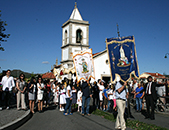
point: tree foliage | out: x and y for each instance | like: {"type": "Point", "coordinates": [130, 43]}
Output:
{"type": "Point", "coordinates": [3, 36]}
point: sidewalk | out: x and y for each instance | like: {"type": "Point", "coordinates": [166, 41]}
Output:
{"type": "Point", "coordinates": [161, 119]}
{"type": "Point", "coordinates": [12, 118]}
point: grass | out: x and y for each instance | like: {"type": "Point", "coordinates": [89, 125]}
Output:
{"type": "Point", "coordinates": [134, 124]}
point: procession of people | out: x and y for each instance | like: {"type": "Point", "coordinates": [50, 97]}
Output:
{"type": "Point", "coordinates": [70, 97]}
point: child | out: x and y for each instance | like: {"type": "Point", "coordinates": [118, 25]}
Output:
{"type": "Point", "coordinates": [105, 98]}
{"type": "Point", "coordinates": [111, 97]}
{"type": "Point", "coordinates": [74, 97]}
{"type": "Point", "coordinates": [62, 97]}
{"type": "Point", "coordinates": [56, 93]}
{"type": "Point", "coordinates": [79, 99]}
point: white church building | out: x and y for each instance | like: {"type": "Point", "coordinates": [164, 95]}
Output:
{"type": "Point", "coordinates": [75, 37]}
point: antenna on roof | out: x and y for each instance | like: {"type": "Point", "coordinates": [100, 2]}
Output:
{"type": "Point", "coordinates": [118, 30]}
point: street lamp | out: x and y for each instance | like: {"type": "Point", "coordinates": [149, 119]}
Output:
{"type": "Point", "coordinates": [166, 55]}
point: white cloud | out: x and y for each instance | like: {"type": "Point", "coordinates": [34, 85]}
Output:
{"type": "Point", "coordinates": [45, 62]}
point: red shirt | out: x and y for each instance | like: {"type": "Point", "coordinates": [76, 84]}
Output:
{"type": "Point", "coordinates": [48, 87]}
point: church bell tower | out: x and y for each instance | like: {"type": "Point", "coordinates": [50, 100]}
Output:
{"type": "Point", "coordinates": [75, 37]}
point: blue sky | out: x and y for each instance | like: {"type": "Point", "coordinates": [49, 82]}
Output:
{"type": "Point", "coordinates": [36, 33]}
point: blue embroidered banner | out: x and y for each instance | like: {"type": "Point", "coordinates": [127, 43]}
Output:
{"type": "Point", "coordinates": [122, 57]}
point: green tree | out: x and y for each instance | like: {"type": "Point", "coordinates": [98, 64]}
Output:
{"type": "Point", "coordinates": [3, 36]}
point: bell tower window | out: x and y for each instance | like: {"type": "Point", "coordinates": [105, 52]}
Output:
{"type": "Point", "coordinates": [78, 36]}
{"type": "Point", "coordinates": [65, 37]}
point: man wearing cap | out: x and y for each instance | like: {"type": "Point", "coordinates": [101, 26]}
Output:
{"type": "Point", "coordinates": [121, 95]}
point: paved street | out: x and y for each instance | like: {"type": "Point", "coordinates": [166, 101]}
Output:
{"type": "Point", "coordinates": [54, 119]}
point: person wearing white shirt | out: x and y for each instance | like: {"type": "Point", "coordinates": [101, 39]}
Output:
{"type": "Point", "coordinates": [40, 88]}
{"type": "Point", "coordinates": [161, 91]}
{"type": "Point", "coordinates": [121, 94]}
{"type": "Point", "coordinates": [62, 97]}
{"type": "Point", "coordinates": [101, 88]}
{"type": "Point", "coordinates": [111, 98]}
{"type": "Point", "coordinates": [134, 86]}
{"type": "Point", "coordinates": [8, 84]}
{"type": "Point", "coordinates": [79, 99]}
{"type": "Point", "coordinates": [68, 100]}
{"type": "Point", "coordinates": [56, 89]}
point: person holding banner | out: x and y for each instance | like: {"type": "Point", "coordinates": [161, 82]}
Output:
{"type": "Point", "coordinates": [87, 94]}
{"type": "Point", "coordinates": [121, 95]}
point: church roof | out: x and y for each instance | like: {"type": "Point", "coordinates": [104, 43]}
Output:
{"type": "Point", "coordinates": [76, 14]}
{"type": "Point", "coordinates": [99, 53]}
{"type": "Point", "coordinates": [48, 76]}
{"type": "Point", "coordinates": [155, 75]}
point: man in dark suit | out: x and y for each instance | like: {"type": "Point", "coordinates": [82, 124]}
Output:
{"type": "Point", "coordinates": [150, 96]}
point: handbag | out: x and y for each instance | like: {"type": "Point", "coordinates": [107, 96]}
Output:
{"type": "Point", "coordinates": [15, 90]}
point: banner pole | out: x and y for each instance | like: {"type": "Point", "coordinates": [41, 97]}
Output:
{"type": "Point", "coordinates": [118, 32]}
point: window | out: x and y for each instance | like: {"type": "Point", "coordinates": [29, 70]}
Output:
{"type": "Point", "coordinates": [79, 36]}
{"type": "Point", "coordinates": [107, 62]}
{"type": "Point", "coordinates": [65, 37]}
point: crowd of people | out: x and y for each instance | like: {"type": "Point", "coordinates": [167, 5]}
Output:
{"type": "Point", "coordinates": [69, 96]}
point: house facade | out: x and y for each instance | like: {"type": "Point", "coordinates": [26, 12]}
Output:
{"type": "Point", "coordinates": [101, 66]}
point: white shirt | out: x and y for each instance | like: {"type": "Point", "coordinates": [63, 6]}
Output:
{"type": "Point", "coordinates": [7, 82]}
{"type": "Point", "coordinates": [101, 87]}
{"type": "Point", "coordinates": [62, 91]}
{"type": "Point", "coordinates": [149, 91]}
{"type": "Point", "coordinates": [111, 97]}
{"type": "Point", "coordinates": [79, 94]}
{"type": "Point", "coordinates": [68, 88]}
{"type": "Point", "coordinates": [135, 86]}
{"type": "Point", "coordinates": [121, 95]}
{"type": "Point", "coordinates": [39, 90]}
{"type": "Point", "coordinates": [161, 91]}
{"type": "Point", "coordinates": [54, 88]}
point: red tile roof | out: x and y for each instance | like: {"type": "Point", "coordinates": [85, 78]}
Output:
{"type": "Point", "coordinates": [96, 53]}
{"type": "Point", "coordinates": [156, 75]}
{"type": "Point", "coordinates": [48, 76]}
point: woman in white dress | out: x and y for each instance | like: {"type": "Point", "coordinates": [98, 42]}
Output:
{"type": "Point", "coordinates": [62, 97]}
{"type": "Point", "coordinates": [79, 99]}
{"type": "Point", "coordinates": [40, 87]}
{"type": "Point", "coordinates": [56, 88]}
{"type": "Point", "coordinates": [101, 88]}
